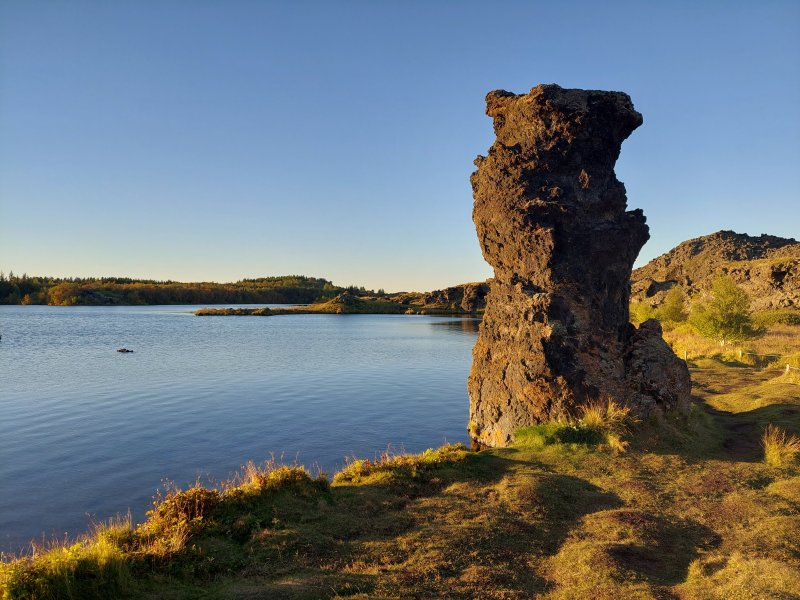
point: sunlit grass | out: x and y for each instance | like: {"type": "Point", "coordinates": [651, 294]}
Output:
{"type": "Point", "coordinates": [390, 467]}
{"type": "Point", "coordinates": [780, 448]}
{"type": "Point", "coordinates": [779, 346]}
{"type": "Point", "coordinates": [736, 576]}
{"type": "Point", "coordinates": [600, 423]}
{"type": "Point", "coordinates": [95, 566]}
{"type": "Point", "coordinates": [101, 563]}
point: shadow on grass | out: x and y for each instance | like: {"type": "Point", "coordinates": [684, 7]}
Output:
{"type": "Point", "coordinates": [712, 434]}
{"type": "Point", "coordinates": [485, 528]}
{"type": "Point", "coordinates": [567, 521]}
{"type": "Point", "coordinates": [742, 431]}
{"type": "Point", "coordinates": [663, 549]}
{"type": "Point", "coordinates": [463, 527]}
{"type": "Point", "coordinates": [339, 543]}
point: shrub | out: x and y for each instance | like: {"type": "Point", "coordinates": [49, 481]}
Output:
{"type": "Point", "coordinates": [725, 317]}
{"type": "Point", "coordinates": [673, 311]}
{"type": "Point", "coordinates": [641, 312]}
{"type": "Point", "coordinates": [179, 513]}
{"type": "Point", "coordinates": [776, 317]}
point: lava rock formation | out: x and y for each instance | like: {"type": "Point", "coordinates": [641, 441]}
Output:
{"type": "Point", "coordinates": [767, 267]}
{"type": "Point", "coordinates": [551, 219]}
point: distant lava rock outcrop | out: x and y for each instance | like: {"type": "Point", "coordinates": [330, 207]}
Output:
{"type": "Point", "coordinates": [468, 297]}
{"type": "Point", "coordinates": [766, 267]}
{"type": "Point", "coordinates": [551, 219]}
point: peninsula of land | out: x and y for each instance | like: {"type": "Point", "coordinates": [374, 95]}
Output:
{"type": "Point", "coordinates": [465, 300]}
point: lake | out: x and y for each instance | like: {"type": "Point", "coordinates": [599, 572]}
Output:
{"type": "Point", "coordinates": [87, 432]}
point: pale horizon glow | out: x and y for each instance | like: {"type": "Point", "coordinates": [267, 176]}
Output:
{"type": "Point", "coordinates": [212, 141]}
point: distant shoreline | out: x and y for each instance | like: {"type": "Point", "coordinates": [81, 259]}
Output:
{"type": "Point", "coordinates": [339, 306]}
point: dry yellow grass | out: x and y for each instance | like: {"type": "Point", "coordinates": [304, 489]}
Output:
{"type": "Point", "coordinates": [780, 448]}
{"type": "Point", "coordinates": [778, 346]}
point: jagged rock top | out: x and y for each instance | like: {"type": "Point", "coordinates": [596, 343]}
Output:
{"type": "Point", "coordinates": [578, 126]}
{"type": "Point", "coordinates": [547, 187]}
{"type": "Point", "coordinates": [722, 246]}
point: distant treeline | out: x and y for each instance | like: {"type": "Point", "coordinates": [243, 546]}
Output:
{"type": "Point", "coordinates": [74, 291]}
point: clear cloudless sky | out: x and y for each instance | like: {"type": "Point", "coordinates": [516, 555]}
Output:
{"type": "Point", "coordinates": [199, 140]}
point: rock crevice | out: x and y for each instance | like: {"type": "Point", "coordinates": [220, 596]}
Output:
{"type": "Point", "coordinates": [551, 219]}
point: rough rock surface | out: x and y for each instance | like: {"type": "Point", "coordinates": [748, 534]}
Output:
{"type": "Point", "coordinates": [767, 267]}
{"type": "Point", "coordinates": [551, 219]}
{"type": "Point", "coordinates": [468, 297]}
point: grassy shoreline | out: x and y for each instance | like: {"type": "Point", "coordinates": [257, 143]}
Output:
{"type": "Point", "coordinates": [686, 507]}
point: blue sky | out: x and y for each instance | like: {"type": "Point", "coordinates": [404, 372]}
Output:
{"type": "Point", "coordinates": [198, 140]}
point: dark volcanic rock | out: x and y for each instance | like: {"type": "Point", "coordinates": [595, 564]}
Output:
{"type": "Point", "coordinates": [473, 298]}
{"type": "Point", "coordinates": [655, 380]}
{"type": "Point", "coordinates": [767, 267]}
{"type": "Point", "coordinates": [346, 298]}
{"type": "Point", "coordinates": [468, 297]}
{"type": "Point", "coordinates": [551, 219]}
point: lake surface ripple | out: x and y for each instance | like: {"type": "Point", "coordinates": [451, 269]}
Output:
{"type": "Point", "coordinates": [87, 432]}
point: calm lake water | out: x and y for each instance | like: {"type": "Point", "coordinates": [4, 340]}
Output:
{"type": "Point", "coordinates": [87, 432]}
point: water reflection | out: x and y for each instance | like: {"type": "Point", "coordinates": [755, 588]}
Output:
{"type": "Point", "coordinates": [467, 326]}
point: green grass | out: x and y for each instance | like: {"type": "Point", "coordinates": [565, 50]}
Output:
{"type": "Point", "coordinates": [600, 424]}
{"type": "Point", "coordinates": [398, 468]}
{"type": "Point", "coordinates": [94, 567]}
{"type": "Point", "coordinates": [769, 318]}
{"type": "Point", "coordinates": [689, 508]}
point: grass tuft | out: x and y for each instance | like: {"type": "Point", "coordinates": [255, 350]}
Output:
{"type": "Point", "coordinates": [739, 576]}
{"type": "Point", "coordinates": [780, 448]}
{"type": "Point", "coordinates": [93, 567]}
{"type": "Point", "coordinates": [397, 468]}
{"type": "Point", "coordinates": [101, 563]}
{"type": "Point", "coordinates": [601, 424]}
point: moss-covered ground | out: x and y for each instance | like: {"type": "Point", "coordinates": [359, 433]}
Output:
{"type": "Point", "coordinates": [689, 510]}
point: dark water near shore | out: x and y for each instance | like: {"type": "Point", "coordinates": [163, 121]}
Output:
{"type": "Point", "coordinates": [86, 431]}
